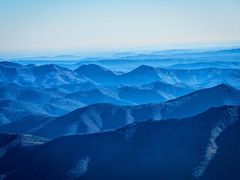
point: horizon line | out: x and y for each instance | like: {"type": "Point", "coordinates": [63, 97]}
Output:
{"type": "Point", "coordinates": [107, 51]}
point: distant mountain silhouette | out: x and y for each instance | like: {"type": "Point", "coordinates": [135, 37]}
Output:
{"type": "Point", "coordinates": [97, 74]}
{"type": "Point", "coordinates": [192, 77]}
{"type": "Point", "coordinates": [147, 74]}
{"type": "Point", "coordinates": [197, 65]}
{"type": "Point", "coordinates": [52, 75]}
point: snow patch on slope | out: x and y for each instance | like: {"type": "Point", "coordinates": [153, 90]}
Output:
{"type": "Point", "coordinates": [79, 169]}
{"type": "Point", "coordinates": [212, 147]}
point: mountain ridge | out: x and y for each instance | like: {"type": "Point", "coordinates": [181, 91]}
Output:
{"type": "Point", "coordinates": [100, 117]}
{"type": "Point", "coordinates": [132, 149]}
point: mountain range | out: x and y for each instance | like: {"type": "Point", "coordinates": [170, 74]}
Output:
{"type": "Point", "coordinates": [193, 148]}
{"type": "Point", "coordinates": [134, 115]}
{"type": "Point", "coordinates": [100, 117]}
{"type": "Point", "coordinates": [53, 75]}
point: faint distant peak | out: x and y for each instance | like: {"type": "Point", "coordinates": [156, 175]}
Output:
{"type": "Point", "coordinates": [91, 67]}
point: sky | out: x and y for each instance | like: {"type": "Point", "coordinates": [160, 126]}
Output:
{"type": "Point", "coordinates": [62, 25]}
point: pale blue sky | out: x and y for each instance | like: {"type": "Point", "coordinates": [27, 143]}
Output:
{"type": "Point", "coordinates": [61, 25]}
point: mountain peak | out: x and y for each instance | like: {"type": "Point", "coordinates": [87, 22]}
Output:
{"type": "Point", "coordinates": [226, 88]}
{"type": "Point", "coordinates": [91, 67]}
{"type": "Point", "coordinates": [223, 85]}
{"type": "Point", "coordinates": [96, 73]}
{"type": "Point", "coordinates": [144, 68]}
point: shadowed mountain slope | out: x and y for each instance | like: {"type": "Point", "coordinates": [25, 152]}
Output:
{"type": "Point", "coordinates": [144, 150]}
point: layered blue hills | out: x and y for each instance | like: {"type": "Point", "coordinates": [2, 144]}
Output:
{"type": "Point", "coordinates": [100, 117]}
{"type": "Point", "coordinates": [186, 59]}
{"type": "Point", "coordinates": [150, 115]}
{"type": "Point", "coordinates": [54, 75]}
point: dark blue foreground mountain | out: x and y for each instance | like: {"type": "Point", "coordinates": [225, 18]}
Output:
{"type": "Point", "coordinates": [194, 148]}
